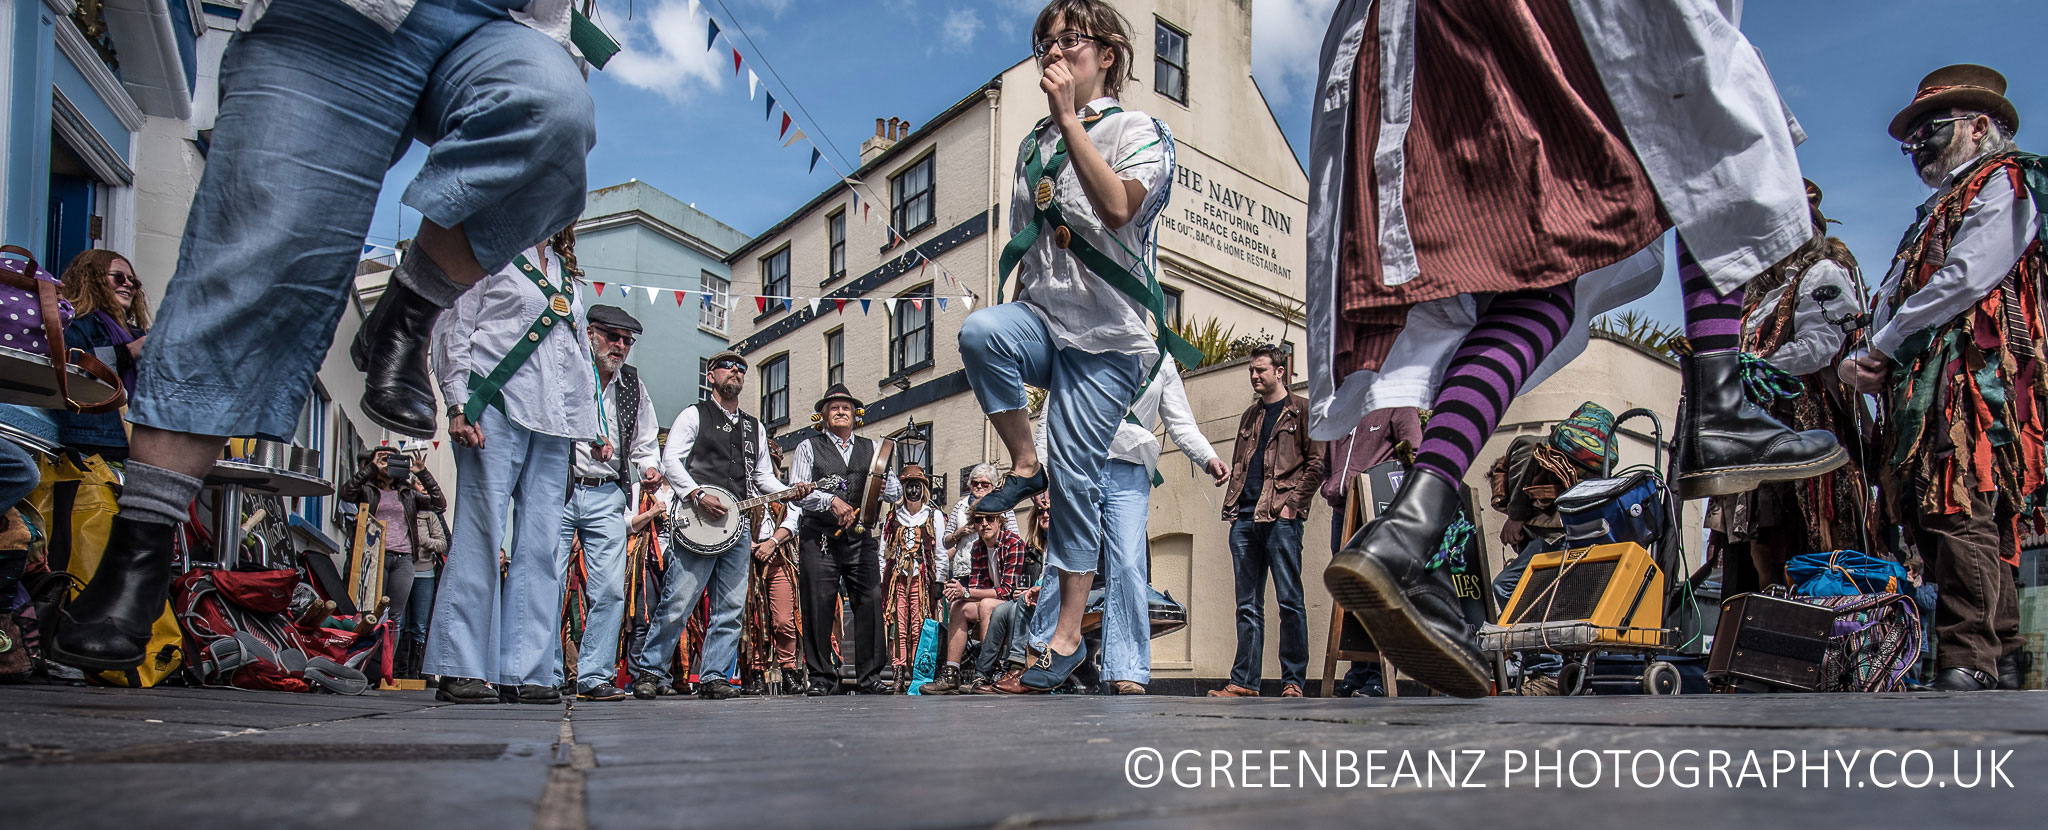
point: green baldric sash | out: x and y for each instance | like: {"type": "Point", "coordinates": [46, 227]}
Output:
{"type": "Point", "coordinates": [488, 391]}
{"type": "Point", "coordinates": [1145, 291]}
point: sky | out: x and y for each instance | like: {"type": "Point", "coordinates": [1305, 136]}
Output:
{"type": "Point", "coordinates": [673, 114]}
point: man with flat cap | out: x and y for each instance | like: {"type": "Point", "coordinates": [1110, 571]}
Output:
{"type": "Point", "coordinates": [832, 552]}
{"type": "Point", "coordinates": [1955, 359]}
{"type": "Point", "coordinates": [601, 475]}
{"type": "Point", "coordinates": [714, 444]}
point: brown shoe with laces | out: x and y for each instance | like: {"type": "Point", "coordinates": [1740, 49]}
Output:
{"type": "Point", "coordinates": [1291, 690]}
{"type": "Point", "coordinates": [1233, 690]}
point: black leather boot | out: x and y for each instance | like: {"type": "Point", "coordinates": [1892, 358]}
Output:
{"type": "Point", "coordinates": [1727, 444]}
{"type": "Point", "coordinates": [2009, 674]}
{"type": "Point", "coordinates": [1411, 610]}
{"type": "Point", "coordinates": [1959, 679]}
{"type": "Point", "coordinates": [106, 628]}
{"type": "Point", "coordinates": [391, 352]}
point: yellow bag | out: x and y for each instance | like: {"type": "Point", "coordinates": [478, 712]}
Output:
{"type": "Point", "coordinates": [77, 498]}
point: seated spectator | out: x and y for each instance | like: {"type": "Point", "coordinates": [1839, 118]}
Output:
{"type": "Point", "coordinates": [996, 574]}
{"type": "Point", "coordinates": [109, 320]}
{"type": "Point", "coordinates": [1005, 649]}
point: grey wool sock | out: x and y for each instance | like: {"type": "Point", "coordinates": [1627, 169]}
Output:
{"type": "Point", "coordinates": [154, 494]}
{"type": "Point", "coordinates": [418, 272]}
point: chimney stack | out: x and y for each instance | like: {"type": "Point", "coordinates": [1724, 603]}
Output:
{"type": "Point", "coordinates": [885, 137]}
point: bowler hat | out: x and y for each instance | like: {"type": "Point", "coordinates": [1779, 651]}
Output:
{"type": "Point", "coordinates": [1963, 86]}
{"type": "Point", "coordinates": [837, 392]}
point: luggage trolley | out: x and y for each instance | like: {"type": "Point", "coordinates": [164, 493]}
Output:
{"type": "Point", "coordinates": [1604, 596]}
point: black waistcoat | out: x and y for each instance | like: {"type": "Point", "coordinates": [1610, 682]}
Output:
{"type": "Point", "coordinates": [725, 451]}
{"type": "Point", "coordinates": [825, 462]}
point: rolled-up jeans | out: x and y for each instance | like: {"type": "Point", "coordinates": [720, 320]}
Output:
{"type": "Point", "coordinates": [1007, 346]}
{"type": "Point", "coordinates": [598, 514]}
{"type": "Point", "coordinates": [316, 103]}
{"type": "Point", "coordinates": [682, 585]}
{"type": "Point", "coordinates": [1126, 618]}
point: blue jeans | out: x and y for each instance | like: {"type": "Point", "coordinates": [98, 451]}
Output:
{"type": "Point", "coordinates": [316, 103]}
{"type": "Point", "coordinates": [1255, 549]}
{"type": "Point", "coordinates": [419, 609]}
{"type": "Point", "coordinates": [682, 584]}
{"type": "Point", "coordinates": [505, 631]}
{"type": "Point", "coordinates": [19, 476]}
{"type": "Point", "coordinates": [598, 514]}
{"type": "Point", "coordinates": [1005, 347]}
{"type": "Point", "coordinates": [1126, 621]}
{"type": "Point", "coordinates": [1006, 636]}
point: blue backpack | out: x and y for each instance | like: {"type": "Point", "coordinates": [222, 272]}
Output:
{"type": "Point", "coordinates": [1844, 573]}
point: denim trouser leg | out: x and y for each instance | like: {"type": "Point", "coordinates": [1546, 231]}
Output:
{"type": "Point", "coordinates": [1004, 628]}
{"type": "Point", "coordinates": [1283, 554]}
{"type": "Point", "coordinates": [1126, 623]}
{"type": "Point", "coordinates": [19, 476]}
{"type": "Point", "coordinates": [686, 579]}
{"type": "Point", "coordinates": [1257, 548]}
{"type": "Point", "coordinates": [599, 515]}
{"type": "Point", "coordinates": [419, 609]}
{"type": "Point", "coordinates": [316, 103]}
{"type": "Point", "coordinates": [1005, 347]}
{"type": "Point", "coordinates": [503, 630]}
{"type": "Point", "coordinates": [398, 585]}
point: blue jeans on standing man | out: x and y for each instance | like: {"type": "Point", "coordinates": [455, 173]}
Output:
{"type": "Point", "coordinates": [1257, 548]}
{"type": "Point", "coordinates": [682, 585]}
{"type": "Point", "coordinates": [316, 103]}
{"type": "Point", "coordinates": [507, 631]}
{"type": "Point", "coordinates": [598, 515]}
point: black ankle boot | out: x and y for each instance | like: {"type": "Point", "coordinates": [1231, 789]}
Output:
{"type": "Point", "coordinates": [106, 628]}
{"type": "Point", "coordinates": [1410, 609]}
{"type": "Point", "coordinates": [1727, 444]}
{"type": "Point", "coordinates": [391, 351]}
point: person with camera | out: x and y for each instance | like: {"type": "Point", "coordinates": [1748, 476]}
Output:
{"type": "Point", "coordinates": [392, 492]}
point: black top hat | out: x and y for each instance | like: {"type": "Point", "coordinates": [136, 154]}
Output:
{"type": "Point", "coordinates": [1963, 86]}
{"type": "Point", "coordinates": [612, 317]}
{"type": "Point", "coordinates": [838, 392]}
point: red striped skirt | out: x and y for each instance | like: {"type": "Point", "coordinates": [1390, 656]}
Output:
{"type": "Point", "coordinates": [1518, 174]}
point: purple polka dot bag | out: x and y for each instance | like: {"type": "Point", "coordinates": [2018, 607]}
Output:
{"type": "Point", "coordinates": [28, 304]}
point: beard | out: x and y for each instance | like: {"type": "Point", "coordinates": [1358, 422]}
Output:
{"type": "Point", "coordinates": [1935, 171]}
{"type": "Point", "coordinates": [609, 362]}
{"type": "Point", "coordinates": [730, 389]}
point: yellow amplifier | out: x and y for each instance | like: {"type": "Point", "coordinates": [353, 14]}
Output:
{"type": "Point", "coordinates": [1605, 595]}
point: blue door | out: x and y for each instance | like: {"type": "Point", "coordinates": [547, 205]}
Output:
{"type": "Point", "coordinates": [70, 221]}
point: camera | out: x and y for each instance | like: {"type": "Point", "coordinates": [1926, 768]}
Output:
{"type": "Point", "coordinates": [399, 467]}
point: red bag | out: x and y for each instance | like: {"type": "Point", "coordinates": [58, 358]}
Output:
{"type": "Point", "coordinates": [241, 637]}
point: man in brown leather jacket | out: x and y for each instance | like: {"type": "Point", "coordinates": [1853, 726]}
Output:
{"type": "Point", "coordinates": [1275, 472]}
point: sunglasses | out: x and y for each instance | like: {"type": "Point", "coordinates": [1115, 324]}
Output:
{"type": "Point", "coordinates": [984, 520]}
{"type": "Point", "coordinates": [731, 364]}
{"type": "Point", "coordinates": [1921, 135]}
{"type": "Point", "coordinates": [119, 278]}
{"type": "Point", "coordinates": [618, 337]}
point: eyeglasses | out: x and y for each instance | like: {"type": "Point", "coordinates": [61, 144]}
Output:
{"type": "Point", "coordinates": [731, 364]}
{"type": "Point", "coordinates": [119, 278]}
{"type": "Point", "coordinates": [1926, 132]}
{"type": "Point", "coordinates": [1067, 42]}
{"type": "Point", "coordinates": [618, 337]}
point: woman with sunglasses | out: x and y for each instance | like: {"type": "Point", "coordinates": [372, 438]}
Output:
{"type": "Point", "coordinates": [1091, 180]}
{"type": "Point", "coordinates": [109, 320]}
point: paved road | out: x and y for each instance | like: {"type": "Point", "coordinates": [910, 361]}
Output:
{"type": "Point", "coordinates": [200, 758]}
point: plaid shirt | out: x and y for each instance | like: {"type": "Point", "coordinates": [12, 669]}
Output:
{"type": "Point", "coordinates": [1003, 570]}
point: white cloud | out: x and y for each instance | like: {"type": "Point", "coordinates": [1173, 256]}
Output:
{"type": "Point", "coordinates": [957, 31]}
{"type": "Point", "coordinates": [664, 53]}
{"type": "Point", "coordinates": [1287, 43]}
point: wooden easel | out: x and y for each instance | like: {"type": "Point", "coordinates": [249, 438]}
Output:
{"type": "Point", "coordinates": [366, 561]}
{"type": "Point", "coordinates": [1357, 511]}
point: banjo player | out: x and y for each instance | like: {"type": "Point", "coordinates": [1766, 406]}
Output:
{"type": "Point", "coordinates": [711, 444]}
{"type": "Point", "coordinates": [834, 549]}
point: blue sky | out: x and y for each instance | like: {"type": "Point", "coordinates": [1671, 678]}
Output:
{"type": "Point", "coordinates": [673, 114]}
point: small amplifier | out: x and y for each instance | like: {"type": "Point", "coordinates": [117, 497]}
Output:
{"type": "Point", "coordinates": [1769, 642]}
{"type": "Point", "coordinates": [1604, 595]}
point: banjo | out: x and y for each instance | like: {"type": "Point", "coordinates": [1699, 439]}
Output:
{"type": "Point", "coordinates": [690, 530]}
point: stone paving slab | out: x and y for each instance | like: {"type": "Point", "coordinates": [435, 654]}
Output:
{"type": "Point", "coordinates": [223, 758]}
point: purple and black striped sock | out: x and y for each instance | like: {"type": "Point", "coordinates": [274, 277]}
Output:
{"type": "Point", "coordinates": [1515, 333]}
{"type": "Point", "coordinates": [1713, 321]}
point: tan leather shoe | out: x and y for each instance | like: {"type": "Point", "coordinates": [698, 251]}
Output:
{"type": "Point", "coordinates": [1012, 683]}
{"type": "Point", "coordinates": [1291, 690]}
{"type": "Point", "coordinates": [1127, 687]}
{"type": "Point", "coordinates": [1233, 690]}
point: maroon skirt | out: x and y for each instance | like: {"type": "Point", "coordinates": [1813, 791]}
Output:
{"type": "Point", "coordinates": [1518, 174]}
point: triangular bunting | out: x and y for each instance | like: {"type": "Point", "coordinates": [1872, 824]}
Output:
{"type": "Point", "coordinates": [968, 301]}
{"type": "Point", "coordinates": [652, 293]}
{"type": "Point", "coordinates": [771, 105]}
{"type": "Point", "coordinates": [384, 443]}
{"type": "Point", "coordinates": [793, 137]}
{"type": "Point", "coordinates": [815, 155]}
{"type": "Point", "coordinates": [863, 211]}
{"type": "Point", "coordinates": [735, 63]}
{"type": "Point", "coordinates": [839, 306]}
{"type": "Point", "coordinates": [917, 303]}
{"type": "Point", "coordinates": [600, 288]}
{"type": "Point", "coordinates": [753, 81]}
{"type": "Point", "coordinates": [711, 40]}
{"type": "Point", "coordinates": [762, 304]}
{"type": "Point", "coordinates": [942, 303]}
{"type": "Point", "coordinates": [815, 302]}
{"type": "Point", "coordinates": [864, 306]}
{"type": "Point", "coordinates": [889, 305]}
{"type": "Point", "coordinates": [785, 124]}
{"type": "Point", "coordinates": [707, 300]}
{"type": "Point", "coordinates": [437, 445]}
{"type": "Point", "coordinates": [732, 303]}
{"type": "Point", "coordinates": [679, 299]}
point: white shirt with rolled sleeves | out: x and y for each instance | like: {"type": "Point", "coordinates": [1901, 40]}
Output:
{"type": "Point", "coordinates": [1165, 400]}
{"type": "Point", "coordinates": [553, 391]}
{"type": "Point", "coordinates": [1996, 230]}
{"type": "Point", "coordinates": [1815, 341]}
{"type": "Point", "coordinates": [641, 448]}
{"type": "Point", "coordinates": [675, 461]}
{"type": "Point", "coordinates": [801, 462]}
{"type": "Point", "coordinates": [1079, 308]}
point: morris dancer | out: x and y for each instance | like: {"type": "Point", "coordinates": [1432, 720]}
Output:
{"type": "Point", "coordinates": [1432, 286]}
{"type": "Point", "coordinates": [1789, 319]}
{"type": "Point", "coordinates": [1078, 328]}
{"type": "Point", "coordinates": [911, 559]}
{"type": "Point", "coordinates": [834, 555]}
{"type": "Point", "coordinates": [1956, 360]}
{"type": "Point", "coordinates": [318, 101]}
{"type": "Point", "coordinates": [773, 629]}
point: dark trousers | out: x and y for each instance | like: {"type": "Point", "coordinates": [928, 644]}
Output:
{"type": "Point", "coordinates": [1257, 548]}
{"type": "Point", "coordinates": [1977, 607]}
{"type": "Point", "coordinates": [852, 563]}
